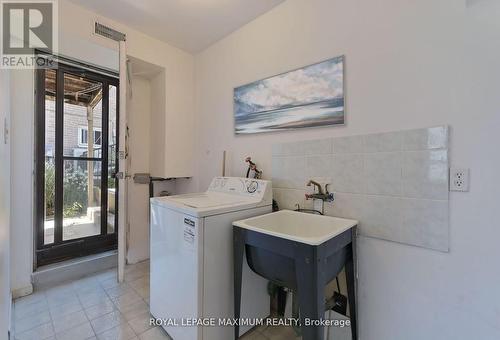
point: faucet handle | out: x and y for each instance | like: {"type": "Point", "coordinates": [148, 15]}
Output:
{"type": "Point", "coordinates": [329, 195]}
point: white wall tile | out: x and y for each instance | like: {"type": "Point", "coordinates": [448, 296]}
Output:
{"type": "Point", "coordinates": [383, 142]}
{"type": "Point", "coordinates": [395, 183]}
{"type": "Point", "coordinates": [318, 166]}
{"type": "Point", "coordinates": [289, 198]}
{"type": "Point", "coordinates": [318, 147]}
{"type": "Point", "coordinates": [382, 218]}
{"type": "Point", "coordinates": [426, 174]}
{"type": "Point", "coordinates": [288, 149]}
{"type": "Point", "coordinates": [289, 172]}
{"type": "Point", "coordinates": [350, 144]}
{"type": "Point", "coordinates": [382, 173]}
{"type": "Point", "coordinates": [346, 205]}
{"type": "Point", "coordinates": [347, 173]}
{"type": "Point", "coordinates": [425, 139]}
{"type": "Point", "coordinates": [426, 223]}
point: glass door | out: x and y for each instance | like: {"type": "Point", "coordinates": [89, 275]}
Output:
{"type": "Point", "coordinates": [77, 135]}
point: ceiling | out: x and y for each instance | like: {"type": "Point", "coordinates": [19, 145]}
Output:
{"type": "Point", "coordinates": [191, 25]}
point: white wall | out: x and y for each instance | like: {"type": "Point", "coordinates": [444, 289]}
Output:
{"type": "Point", "coordinates": [5, 298]}
{"type": "Point", "coordinates": [22, 162]}
{"type": "Point", "coordinates": [77, 41]}
{"type": "Point", "coordinates": [139, 108]}
{"type": "Point", "coordinates": [409, 64]}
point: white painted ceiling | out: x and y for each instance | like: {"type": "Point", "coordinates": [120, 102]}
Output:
{"type": "Point", "coordinates": [191, 25]}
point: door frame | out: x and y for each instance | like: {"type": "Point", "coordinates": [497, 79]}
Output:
{"type": "Point", "coordinates": [60, 249]}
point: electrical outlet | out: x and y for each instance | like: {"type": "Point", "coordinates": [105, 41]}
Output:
{"type": "Point", "coordinates": [459, 179]}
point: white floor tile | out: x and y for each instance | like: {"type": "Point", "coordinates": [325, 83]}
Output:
{"type": "Point", "coordinates": [109, 283]}
{"type": "Point", "coordinates": [141, 323]}
{"type": "Point", "coordinates": [128, 298]}
{"type": "Point", "coordinates": [143, 291]}
{"type": "Point", "coordinates": [26, 310]}
{"type": "Point", "coordinates": [155, 333]}
{"type": "Point", "coordinates": [89, 289]}
{"type": "Point", "coordinates": [134, 310]}
{"type": "Point", "coordinates": [37, 297]}
{"type": "Point", "coordinates": [107, 321]}
{"type": "Point", "coordinates": [32, 321]}
{"type": "Point", "coordinates": [81, 332]}
{"type": "Point", "coordinates": [69, 308]}
{"type": "Point", "coordinates": [280, 333]}
{"type": "Point", "coordinates": [120, 332]}
{"type": "Point", "coordinates": [63, 299]}
{"type": "Point", "coordinates": [92, 299]}
{"type": "Point", "coordinates": [69, 321]}
{"type": "Point", "coordinates": [118, 290]}
{"type": "Point", "coordinates": [100, 309]}
{"type": "Point", "coordinates": [140, 282]}
{"type": "Point", "coordinates": [38, 333]}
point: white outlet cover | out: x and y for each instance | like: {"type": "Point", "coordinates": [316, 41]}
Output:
{"type": "Point", "coordinates": [459, 179]}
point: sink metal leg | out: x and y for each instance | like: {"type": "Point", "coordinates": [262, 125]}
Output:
{"type": "Point", "coordinates": [351, 291]}
{"type": "Point", "coordinates": [239, 247]}
{"type": "Point", "coordinates": [311, 291]}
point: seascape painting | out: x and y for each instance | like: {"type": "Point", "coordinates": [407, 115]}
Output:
{"type": "Point", "coordinates": [311, 96]}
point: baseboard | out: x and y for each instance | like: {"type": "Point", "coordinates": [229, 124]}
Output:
{"type": "Point", "coordinates": [23, 291]}
{"type": "Point", "coordinates": [53, 274]}
{"type": "Point", "coordinates": [132, 259]}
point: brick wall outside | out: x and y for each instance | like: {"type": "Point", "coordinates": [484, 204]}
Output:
{"type": "Point", "coordinates": [74, 117]}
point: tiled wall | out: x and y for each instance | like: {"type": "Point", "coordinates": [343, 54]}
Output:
{"type": "Point", "coordinates": [395, 184]}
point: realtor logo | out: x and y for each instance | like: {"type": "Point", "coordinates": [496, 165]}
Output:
{"type": "Point", "coordinates": [27, 26]}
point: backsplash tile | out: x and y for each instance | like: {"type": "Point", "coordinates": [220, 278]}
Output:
{"type": "Point", "coordinates": [289, 172]}
{"type": "Point", "coordinates": [308, 147]}
{"type": "Point", "coordinates": [383, 217]}
{"type": "Point", "coordinates": [318, 166]}
{"type": "Point", "coordinates": [426, 223]}
{"type": "Point", "coordinates": [318, 147]}
{"type": "Point", "coordinates": [289, 198]}
{"type": "Point", "coordinates": [383, 142]}
{"type": "Point", "coordinates": [425, 174]}
{"type": "Point", "coordinates": [347, 173]}
{"type": "Point", "coordinates": [350, 144]}
{"type": "Point", "coordinates": [395, 183]}
{"type": "Point", "coordinates": [382, 173]}
{"type": "Point", "coordinates": [288, 149]}
{"type": "Point", "coordinates": [425, 139]}
{"type": "Point", "coordinates": [347, 206]}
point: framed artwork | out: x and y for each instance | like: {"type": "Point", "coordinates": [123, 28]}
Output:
{"type": "Point", "coordinates": [310, 96]}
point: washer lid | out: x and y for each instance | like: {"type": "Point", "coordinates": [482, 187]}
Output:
{"type": "Point", "coordinates": [205, 200]}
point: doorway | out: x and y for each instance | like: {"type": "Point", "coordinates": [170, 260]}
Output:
{"type": "Point", "coordinates": [76, 162]}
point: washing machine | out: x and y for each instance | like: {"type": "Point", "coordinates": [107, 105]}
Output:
{"type": "Point", "coordinates": [191, 285]}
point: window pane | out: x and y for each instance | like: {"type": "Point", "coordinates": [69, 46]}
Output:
{"type": "Point", "coordinates": [82, 113]}
{"type": "Point", "coordinates": [97, 137]}
{"type": "Point", "coordinates": [112, 157]}
{"type": "Point", "coordinates": [50, 147]}
{"type": "Point", "coordinates": [81, 199]}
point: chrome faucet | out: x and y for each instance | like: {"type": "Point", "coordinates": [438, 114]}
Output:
{"type": "Point", "coordinates": [324, 196]}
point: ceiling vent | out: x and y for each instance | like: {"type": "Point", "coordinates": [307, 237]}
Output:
{"type": "Point", "coordinates": [108, 32]}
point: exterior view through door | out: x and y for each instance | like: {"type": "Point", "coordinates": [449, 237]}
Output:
{"type": "Point", "coordinates": [76, 162]}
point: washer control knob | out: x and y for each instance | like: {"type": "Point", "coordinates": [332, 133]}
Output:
{"type": "Point", "coordinates": [252, 187]}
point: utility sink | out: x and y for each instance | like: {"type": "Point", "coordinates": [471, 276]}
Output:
{"type": "Point", "coordinates": [297, 226]}
{"type": "Point", "coordinates": [301, 251]}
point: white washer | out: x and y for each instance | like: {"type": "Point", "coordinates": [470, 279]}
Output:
{"type": "Point", "coordinates": [192, 258]}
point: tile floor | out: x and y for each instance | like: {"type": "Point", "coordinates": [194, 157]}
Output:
{"type": "Point", "coordinates": [98, 307]}
{"type": "Point", "coordinates": [95, 307]}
